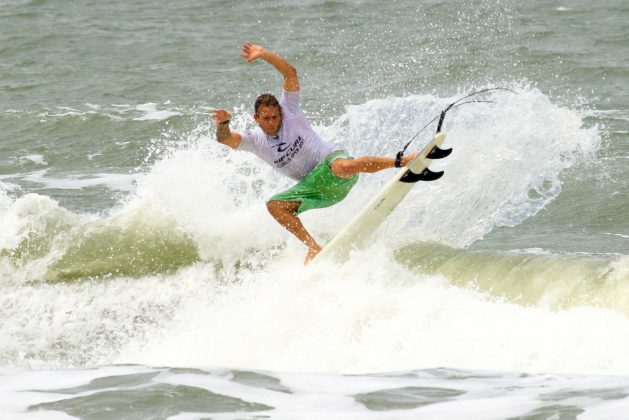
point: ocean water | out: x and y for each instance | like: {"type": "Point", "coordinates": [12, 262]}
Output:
{"type": "Point", "coordinates": [141, 276]}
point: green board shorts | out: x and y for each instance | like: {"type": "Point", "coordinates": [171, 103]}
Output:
{"type": "Point", "coordinates": [320, 188]}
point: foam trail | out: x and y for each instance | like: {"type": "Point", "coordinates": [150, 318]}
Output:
{"type": "Point", "coordinates": [506, 166]}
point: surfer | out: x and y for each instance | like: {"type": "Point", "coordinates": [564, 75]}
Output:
{"type": "Point", "coordinates": [285, 140]}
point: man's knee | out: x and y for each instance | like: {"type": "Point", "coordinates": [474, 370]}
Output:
{"type": "Point", "coordinates": [277, 207]}
{"type": "Point", "coordinates": [343, 168]}
{"type": "Point", "coordinates": [273, 207]}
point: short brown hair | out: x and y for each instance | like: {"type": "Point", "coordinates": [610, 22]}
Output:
{"type": "Point", "coordinates": [266, 99]}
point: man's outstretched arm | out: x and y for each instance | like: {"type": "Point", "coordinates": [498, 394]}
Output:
{"type": "Point", "coordinates": [223, 134]}
{"type": "Point", "coordinates": [252, 52]}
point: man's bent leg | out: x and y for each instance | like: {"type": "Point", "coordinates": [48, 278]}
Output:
{"type": "Point", "coordinates": [284, 213]}
{"type": "Point", "coordinates": [347, 168]}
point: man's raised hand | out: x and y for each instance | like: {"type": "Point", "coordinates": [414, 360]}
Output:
{"type": "Point", "coordinates": [251, 52]}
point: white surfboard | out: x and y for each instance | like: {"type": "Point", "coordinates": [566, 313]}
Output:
{"type": "Point", "coordinates": [356, 232]}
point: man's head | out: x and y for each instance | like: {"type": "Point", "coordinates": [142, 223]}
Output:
{"type": "Point", "coordinates": [267, 114]}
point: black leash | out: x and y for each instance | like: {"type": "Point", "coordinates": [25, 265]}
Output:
{"type": "Point", "coordinates": [442, 116]}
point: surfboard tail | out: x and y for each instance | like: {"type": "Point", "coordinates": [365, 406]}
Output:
{"type": "Point", "coordinates": [437, 153]}
{"type": "Point", "coordinates": [425, 175]}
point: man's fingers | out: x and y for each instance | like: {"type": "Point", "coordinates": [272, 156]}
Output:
{"type": "Point", "coordinates": [250, 52]}
{"type": "Point", "coordinates": [221, 115]}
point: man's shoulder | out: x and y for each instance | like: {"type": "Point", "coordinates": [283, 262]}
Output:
{"type": "Point", "coordinates": [252, 133]}
{"type": "Point", "coordinates": [251, 140]}
{"type": "Point", "coordinates": [291, 101]}
{"type": "Point", "coordinates": [290, 96]}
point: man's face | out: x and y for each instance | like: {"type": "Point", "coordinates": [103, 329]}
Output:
{"type": "Point", "coordinates": [269, 118]}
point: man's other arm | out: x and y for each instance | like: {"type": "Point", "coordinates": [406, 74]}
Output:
{"type": "Point", "coordinates": [252, 52]}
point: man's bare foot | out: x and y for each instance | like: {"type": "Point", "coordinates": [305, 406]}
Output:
{"type": "Point", "coordinates": [312, 252]}
{"type": "Point", "coordinates": [407, 159]}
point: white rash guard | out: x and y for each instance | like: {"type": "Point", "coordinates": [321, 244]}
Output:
{"type": "Point", "coordinates": [296, 149]}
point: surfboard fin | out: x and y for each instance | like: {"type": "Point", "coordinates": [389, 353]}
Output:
{"type": "Point", "coordinates": [437, 153]}
{"type": "Point", "coordinates": [425, 175]}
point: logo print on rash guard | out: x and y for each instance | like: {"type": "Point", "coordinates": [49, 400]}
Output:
{"type": "Point", "coordinates": [291, 151]}
{"type": "Point", "coordinates": [279, 147]}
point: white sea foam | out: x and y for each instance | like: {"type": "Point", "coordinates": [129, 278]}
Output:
{"type": "Point", "coordinates": [351, 319]}
{"type": "Point", "coordinates": [482, 394]}
{"type": "Point", "coordinates": [141, 112]}
{"type": "Point", "coordinates": [118, 182]}
{"type": "Point", "coordinates": [7, 186]}
{"type": "Point", "coordinates": [621, 235]}
{"type": "Point", "coordinates": [152, 113]}
{"type": "Point", "coordinates": [369, 315]}
{"type": "Point", "coordinates": [37, 159]}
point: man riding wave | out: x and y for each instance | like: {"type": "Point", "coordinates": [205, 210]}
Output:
{"type": "Point", "coordinates": [285, 140]}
